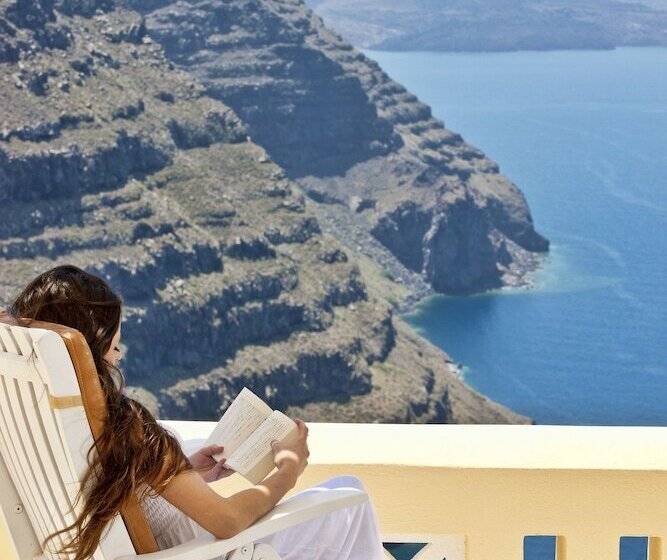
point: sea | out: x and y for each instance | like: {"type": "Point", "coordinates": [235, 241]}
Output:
{"type": "Point", "coordinates": [584, 136]}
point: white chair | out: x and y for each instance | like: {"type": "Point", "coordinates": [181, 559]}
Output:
{"type": "Point", "coordinates": [51, 404]}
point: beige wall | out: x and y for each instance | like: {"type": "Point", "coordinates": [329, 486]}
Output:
{"type": "Point", "coordinates": [589, 485]}
{"type": "Point", "coordinates": [6, 547]}
{"type": "Point", "coordinates": [8, 501]}
{"type": "Point", "coordinates": [495, 508]}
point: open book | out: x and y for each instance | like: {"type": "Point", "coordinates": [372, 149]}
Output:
{"type": "Point", "coordinates": [246, 430]}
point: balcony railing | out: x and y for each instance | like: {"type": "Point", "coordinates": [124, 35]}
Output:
{"type": "Point", "coordinates": [489, 492]}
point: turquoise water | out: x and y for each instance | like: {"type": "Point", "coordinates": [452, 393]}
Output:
{"type": "Point", "coordinates": [584, 135]}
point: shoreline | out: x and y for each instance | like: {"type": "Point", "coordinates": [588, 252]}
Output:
{"type": "Point", "coordinates": [520, 278]}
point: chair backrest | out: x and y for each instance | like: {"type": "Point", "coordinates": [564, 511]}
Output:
{"type": "Point", "coordinates": [51, 404]}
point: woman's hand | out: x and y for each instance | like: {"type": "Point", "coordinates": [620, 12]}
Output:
{"type": "Point", "coordinates": [205, 464]}
{"type": "Point", "coordinates": [291, 454]}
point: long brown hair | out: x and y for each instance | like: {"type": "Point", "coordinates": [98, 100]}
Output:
{"type": "Point", "coordinates": [134, 454]}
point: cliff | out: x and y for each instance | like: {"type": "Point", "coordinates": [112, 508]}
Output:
{"type": "Point", "coordinates": [117, 160]}
{"type": "Point", "coordinates": [392, 182]}
{"type": "Point", "coordinates": [492, 25]}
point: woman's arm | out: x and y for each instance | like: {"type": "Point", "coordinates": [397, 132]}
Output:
{"type": "Point", "coordinates": [225, 517]}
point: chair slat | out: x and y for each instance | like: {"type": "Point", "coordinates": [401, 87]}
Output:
{"type": "Point", "coordinates": [30, 460]}
{"type": "Point", "coordinates": [50, 350]}
{"type": "Point", "coordinates": [61, 376]}
{"type": "Point", "coordinates": [25, 339]}
{"type": "Point", "coordinates": [22, 340]}
{"type": "Point", "coordinates": [8, 340]}
{"type": "Point", "coordinates": [19, 367]}
{"type": "Point", "coordinates": [17, 478]}
{"type": "Point", "coordinates": [12, 458]}
{"type": "Point", "coordinates": [72, 490]}
{"type": "Point", "coordinates": [54, 433]}
{"type": "Point", "coordinates": [76, 437]}
{"type": "Point", "coordinates": [45, 454]}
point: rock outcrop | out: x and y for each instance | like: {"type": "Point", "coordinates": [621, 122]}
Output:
{"type": "Point", "coordinates": [122, 163]}
{"type": "Point", "coordinates": [346, 132]}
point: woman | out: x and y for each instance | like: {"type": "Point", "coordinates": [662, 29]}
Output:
{"type": "Point", "coordinates": [136, 453]}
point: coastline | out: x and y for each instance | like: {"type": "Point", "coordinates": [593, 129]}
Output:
{"type": "Point", "coordinates": [522, 278]}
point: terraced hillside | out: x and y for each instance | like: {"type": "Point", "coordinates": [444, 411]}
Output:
{"type": "Point", "coordinates": [357, 140]}
{"type": "Point", "coordinates": [113, 159]}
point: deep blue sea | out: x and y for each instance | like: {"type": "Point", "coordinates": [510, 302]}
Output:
{"type": "Point", "coordinates": [584, 135]}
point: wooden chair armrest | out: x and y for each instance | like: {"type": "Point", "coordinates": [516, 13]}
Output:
{"type": "Point", "coordinates": [286, 514]}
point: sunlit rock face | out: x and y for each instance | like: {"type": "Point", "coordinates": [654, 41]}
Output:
{"type": "Point", "coordinates": [115, 159]}
{"type": "Point", "coordinates": [345, 131]}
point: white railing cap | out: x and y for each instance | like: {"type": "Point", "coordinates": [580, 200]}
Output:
{"type": "Point", "coordinates": [478, 445]}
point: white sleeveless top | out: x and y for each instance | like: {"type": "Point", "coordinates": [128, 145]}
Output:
{"type": "Point", "coordinates": [169, 524]}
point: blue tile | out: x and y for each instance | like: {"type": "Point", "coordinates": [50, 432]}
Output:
{"type": "Point", "coordinates": [633, 548]}
{"type": "Point", "coordinates": [539, 547]}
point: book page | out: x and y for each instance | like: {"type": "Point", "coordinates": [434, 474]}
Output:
{"type": "Point", "coordinates": [254, 457]}
{"type": "Point", "coordinates": [241, 419]}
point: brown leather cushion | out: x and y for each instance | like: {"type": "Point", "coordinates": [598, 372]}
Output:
{"type": "Point", "coordinates": [94, 404]}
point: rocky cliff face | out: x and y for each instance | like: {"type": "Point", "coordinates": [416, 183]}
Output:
{"type": "Point", "coordinates": [114, 159]}
{"type": "Point", "coordinates": [355, 139]}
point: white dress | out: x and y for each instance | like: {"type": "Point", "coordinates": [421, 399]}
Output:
{"type": "Point", "coordinates": [350, 533]}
